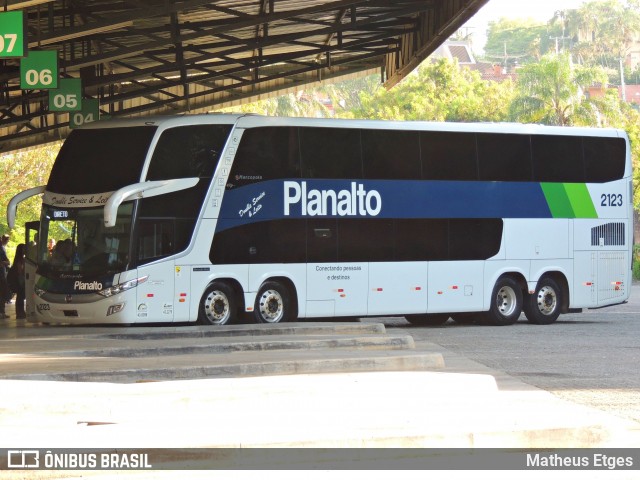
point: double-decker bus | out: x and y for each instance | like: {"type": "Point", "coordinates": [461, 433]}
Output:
{"type": "Point", "coordinates": [214, 218]}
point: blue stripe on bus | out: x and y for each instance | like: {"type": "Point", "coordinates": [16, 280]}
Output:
{"type": "Point", "coordinates": [399, 199]}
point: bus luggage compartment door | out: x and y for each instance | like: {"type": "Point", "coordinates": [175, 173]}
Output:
{"type": "Point", "coordinates": [612, 277]}
{"type": "Point", "coordinates": [397, 288]}
{"type": "Point", "coordinates": [345, 284]}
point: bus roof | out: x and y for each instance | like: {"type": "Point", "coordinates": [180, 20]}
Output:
{"type": "Point", "coordinates": [166, 121]}
{"type": "Point", "coordinates": [479, 127]}
{"type": "Point", "coordinates": [254, 120]}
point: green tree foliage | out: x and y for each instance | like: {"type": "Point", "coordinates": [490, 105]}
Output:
{"type": "Point", "coordinates": [552, 92]}
{"type": "Point", "coordinates": [345, 96]}
{"type": "Point", "coordinates": [606, 29]}
{"type": "Point", "coordinates": [629, 120]}
{"type": "Point", "coordinates": [516, 41]}
{"type": "Point", "coordinates": [439, 91]}
{"type": "Point", "coordinates": [19, 171]}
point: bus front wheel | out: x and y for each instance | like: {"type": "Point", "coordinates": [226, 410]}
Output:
{"type": "Point", "coordinates": [506, 303]}
{"type": "Point", "coordinates": [273, 303]}
{"type": "Point", "coordinates": [218, 305]}
{"type": "Point", "coordinates": [543, 306]}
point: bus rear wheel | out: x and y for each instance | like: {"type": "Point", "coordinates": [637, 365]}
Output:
{"type": "Point", "coordinates": [506, 303]}
{"type": "Point", "coordinates": [543, 306]}
{"type": "Point", "coordinates": [218, 305]}
{"type": "Point", "coordinates": [428, 319]}
{"type": "Point", "coordinates": [273, 303]}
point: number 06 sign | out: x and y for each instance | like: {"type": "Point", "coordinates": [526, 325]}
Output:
{"type": "Point", "coordinates": [39, 70]}
{"type": "Point", "coordinates": [67, 97]}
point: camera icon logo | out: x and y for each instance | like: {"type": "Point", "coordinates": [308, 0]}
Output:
{"type": "Point", "coordinates": [23, 459]}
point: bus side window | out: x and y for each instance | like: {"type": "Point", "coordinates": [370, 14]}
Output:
{"type": "Point", "coordinates": [272, 241]}
{"type": "Point", "coordinates": [265, 153]}
{"type": "Point", "coordinates": [474, 238]}
{"type": "Point", "coordinates": [355, 240]}
{"type": "Point", "coordinates": [557, 158]}
{"type": "Point", "coordinates": [330, 153]}
{"type": "Point", "coordinates": [156, 238]}
{"type": "Point", "coordinates": [448, 156]}
{"type": "Point", "coordinates": [391, 155]}
{"type": "Point", "coordinates": [504, 158]}
{"type": "Point", "coordinates": [421, 239]}
{"type": "Point", "coordinates": [184, 152]}
{"type": "Point", "coordinates": [322, 240]}
{"type": "Point", "coordinates": [604, 159]}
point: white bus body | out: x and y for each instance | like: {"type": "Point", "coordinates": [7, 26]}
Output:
{"type": "Point", "coordinates": [218, 217]}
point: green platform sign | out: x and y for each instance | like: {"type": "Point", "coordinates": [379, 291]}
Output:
{"type": "Point", "coordinates": [67, 97]}
{"type": "Point", "coordinates": [13, 41]}
{"type": "Point", "coordinates": [90, 113]}
{"type": "Point", "coordinates": [39, 70]}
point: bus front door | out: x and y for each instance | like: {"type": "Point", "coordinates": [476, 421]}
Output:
{"type": "Point", "coordinates": [30, 265]}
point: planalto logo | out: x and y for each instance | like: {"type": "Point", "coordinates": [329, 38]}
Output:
{"type": "Point", "coordinates": [352, 202]}
{"type": "Point", "coordinates": [78, 285]}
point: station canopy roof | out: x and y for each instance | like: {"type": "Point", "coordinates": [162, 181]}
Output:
{"type": "Point", "coordinates": [157, 57]}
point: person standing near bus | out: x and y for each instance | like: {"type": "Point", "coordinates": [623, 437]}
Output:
{"type": "Point", "coordinates": [16, 281]}
{"type": "Point", "coordinates": [4, 266]}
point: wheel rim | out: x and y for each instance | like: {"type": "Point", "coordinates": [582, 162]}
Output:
{"type": "Point", "coordinates": [217, 308]}
{"type": "Point", "coordinates": [271, 306]}
{"type": "Point", "coordinates": [506, 301]}
{"type": "Point", "coordinates": [547, 300]}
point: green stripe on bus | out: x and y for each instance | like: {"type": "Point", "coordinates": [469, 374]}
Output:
{"type": "Point", "coordinates": [580, 200]}
{"type": "Point", "coordinates": [558, 200]}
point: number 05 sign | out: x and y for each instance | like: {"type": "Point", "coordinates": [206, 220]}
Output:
{"type": "Point", "coordinates": [67, 97]}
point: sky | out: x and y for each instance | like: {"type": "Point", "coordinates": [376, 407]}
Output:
{"type": "Point", "coordinates": [542, 10]}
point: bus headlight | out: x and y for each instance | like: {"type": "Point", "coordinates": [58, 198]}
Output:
{"type": "Point", "coordinates": [121, 287]}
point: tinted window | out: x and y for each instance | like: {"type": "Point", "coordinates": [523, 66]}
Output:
{"type": "Point", "coordinates": [191, 151]}
{"type": "Point", "coordinates": [276, 241]}
{"type": "Point", "coordinates": [474, 239]}
{"type": "Point", "coordinates": [322, 240]}
{"type": "Point", "coordinates": [448, 156]}
{"type": "Point", "coordinates": [557, 158]}
{"type": "Point", "coordinates": [421, 239]}
{"type": "Point", "coordinates": [505, 158]}
{"type": "Point", "coordinates": [330, 153]}
{"type": "Point", "coordinates": [165, 223]}
{"type": "Point", "coordinates": [391, 154]}
{"type": "Point", "coordinates": [363, 240]}
{"type": "Point", "coordinates": [266, 153]}
{"type": "Point", "coordinates": [604, 159]}
{"type": "Point", "coordinates": [357, 240]}
{"type": "Point", "coordinates": [100, 160]}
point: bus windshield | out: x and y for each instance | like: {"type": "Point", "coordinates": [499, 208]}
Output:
{"type": "Point", "coordinates": [74, 241]}
{"type": "Point", "coordinates": [100, 160]}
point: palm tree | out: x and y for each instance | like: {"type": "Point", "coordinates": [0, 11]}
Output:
{"type": "Point", "coordinates": [552, 92]}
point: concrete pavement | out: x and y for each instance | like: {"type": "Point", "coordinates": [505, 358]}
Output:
{"type": "Point", "coordinates": [293, 385]}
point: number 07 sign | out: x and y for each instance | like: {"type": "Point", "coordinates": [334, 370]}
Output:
{"type": "Point", "coordinates": [12, 38]}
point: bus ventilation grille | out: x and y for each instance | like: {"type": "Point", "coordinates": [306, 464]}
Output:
{"type": "Point", "coordinates": [609, 234]}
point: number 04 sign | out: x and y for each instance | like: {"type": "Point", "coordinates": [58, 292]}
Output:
{"type": "Point", "coordinates": [90, 113]}
{"type": "Point", "coordinates": [67, 97]}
